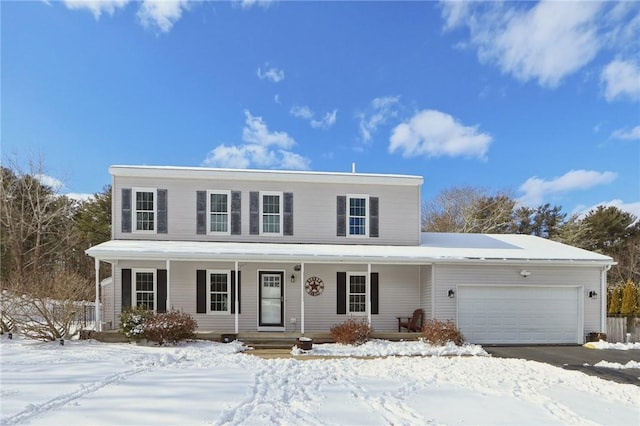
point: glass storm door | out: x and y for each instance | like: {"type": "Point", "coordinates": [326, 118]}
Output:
{"type": "Point", "coordinates": [271, 299]}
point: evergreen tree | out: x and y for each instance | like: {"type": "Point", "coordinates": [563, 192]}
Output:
{"type": "Point", "coordinates": [614, 299]}
{"type": "Point", "coordinates": [629, 305]}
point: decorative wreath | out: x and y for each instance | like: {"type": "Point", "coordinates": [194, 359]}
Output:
{"type": "Point", "coordinates": [314, 286]}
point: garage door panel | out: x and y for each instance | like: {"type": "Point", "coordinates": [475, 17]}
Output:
{"type": "Point", "coordinates": [513, 315]}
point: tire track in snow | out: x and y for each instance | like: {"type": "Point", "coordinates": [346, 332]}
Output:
{"type": "Point", "coordinates": [34, 410]}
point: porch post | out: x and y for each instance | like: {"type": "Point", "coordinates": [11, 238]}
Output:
{"type": "Point", "coordinates": [98, 320]}
{"type": "Point", "coordinates": [302, 298]}
{"type": "Point", "coordinates": [168, 307]}
{"type": "Point", "coordinates": [368, 291]}
{"type": "Point", "coordinates": [235, 302]}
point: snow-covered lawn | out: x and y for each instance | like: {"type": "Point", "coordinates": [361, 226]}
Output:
{"type": "Point", "coordinates": [86, 382]}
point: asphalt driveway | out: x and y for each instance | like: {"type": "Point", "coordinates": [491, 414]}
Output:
{"type": "Point", "coordinates": [576, 358]}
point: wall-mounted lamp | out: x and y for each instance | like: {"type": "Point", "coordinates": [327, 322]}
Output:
{"type": "Point", "coordinates": [293, 278]}
{"type": "Point", "coordinates": [297, 267]}
{"type": "Point", "coordinates": [593, 294]}
{"type": "Point", "coordinates": [451, 293]}
{"type": "Point", "coordinates": [525, 273]}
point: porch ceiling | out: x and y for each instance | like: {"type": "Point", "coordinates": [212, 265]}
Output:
{"type": "Point", "coordinates": [435, 248]}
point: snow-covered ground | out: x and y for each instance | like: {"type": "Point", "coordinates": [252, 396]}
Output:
{"type": "Point", "coordinates": [86, 382]}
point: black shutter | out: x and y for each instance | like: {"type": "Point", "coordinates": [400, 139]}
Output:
{"type": "Point", "coordinates": [201, 212]}
{"type": "Point", "coordinates": [341, 210]}
{"type": "Point", "coordinates": [375, 298]}
{"type": "Point", "coordinates": [201, 291]}
{"type": "Point", "coordinates": [287, 219]}
{"type": "Point", "coordinates": [236, 224]}
{"type": "Point", "coordinates": [341, 301]}
{"type": "Point", "coordinates": [254, 213]}
{"type": "Point", "coordinates": [126, 289]}
{"type": "Point", "coordinates": [162, 290]}
{"type": "Point", "coordinates": [374, 210]}
{"type": "Point", "coordinates": [233, 292]}
{"type": "Point", "coordinates": [163, 225]}
{"type": "Point", "coordinates": [126, 210]}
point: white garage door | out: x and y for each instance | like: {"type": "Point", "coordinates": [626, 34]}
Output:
{"type": "Point", "coordinates": [518, 315]}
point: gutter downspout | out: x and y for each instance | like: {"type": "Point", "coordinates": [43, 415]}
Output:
{"type": "Point", "coordinates": [302, 298]}
{"type": "Point", "coordinates": [368, 290]}
{"type": "Point", "coordinates": [168, 263]}
{"type": "Point", "coordinates": [603, 298]}
{"type": "Point", "coordinates": [98, 321]}
{"type": "Point", "coordinates": [236, 302]}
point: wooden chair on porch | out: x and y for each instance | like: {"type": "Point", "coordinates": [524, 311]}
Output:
{"type": "Point", "coordinates": [413, 323]}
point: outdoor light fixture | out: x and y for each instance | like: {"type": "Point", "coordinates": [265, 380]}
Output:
{"type": "Point", "coordinates": [525, 273]}
{"type": "Point", "coordinates": [297, 268]}
{"type": "Point", "coordinates": [293, 278]}
{"type": "Point", "coordinates": [451, 293]}
{"type": "Point", "coordinates": [593, 294]}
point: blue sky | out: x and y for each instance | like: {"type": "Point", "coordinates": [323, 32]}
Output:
{"type": "Point", "coordinates": [540, 99]}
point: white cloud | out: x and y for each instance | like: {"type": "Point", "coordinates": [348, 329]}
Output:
{"type": "Point", "coordinates": [536, 190]}
{"type": "Point", "coordinates": [257, 132]}
{"type": "Point", "coordinates": [621, 80]}
{"type": "Point", "coordinates": [301, 112]}
{"type": "Point", "coordinates": [262, 148]}
{"type": "Point", "coordinates": [633, 208]}
{"type": "Point", "coordinates": [381, 110]}
{"type": "Point", "coordinates": [96, 7]}
{"type": "Point", "coordinates": [270, 73]}
{"type": "Point", "coordinates": [50, 181]}
{"type": "Point", "coordinates": [248, 4]}
{"type": "Point", "coordinates": [546, 42]}
{"type": "Point", "coordinates": [305, 113]}
{"type": "Point", "coordinates": [627, 135]}
{"type": "Point", "coordinates": [433, 134]}
{"type": "Point", "coordinates": [325, 122]}
{"type": "Point", "coordinates": [161, 14]}
{"type": "Point", "coordinates": [78, 196]}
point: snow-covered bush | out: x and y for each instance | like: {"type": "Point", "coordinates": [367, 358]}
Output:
{"type": "Point", "coordinates": [133, 322]}
{"type": "Point", "coordinates": [440, 332]}
{"type": "Point", "coordinates": [171, 327]}
{"type": "Point", "coordinates": [351, 332]}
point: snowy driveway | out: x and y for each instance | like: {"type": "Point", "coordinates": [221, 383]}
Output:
{"type": "Point", "coordinates": [577, 358]}
{"type": "Point", "coordinates": [85, 382]}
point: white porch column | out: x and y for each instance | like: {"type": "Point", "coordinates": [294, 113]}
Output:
{"type": "Point", "coordinates": [98, 320]}
{"type": "Point", "coordinates": [368, 290]}
{"type": "Point", "coordinates": [302, 298]}
{"type": "Point", "coordinates": [168, 285]}
{"type": "Point", "coordinates": [236, 302]}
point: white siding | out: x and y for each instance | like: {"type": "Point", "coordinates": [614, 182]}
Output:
{"type": "Point", "coordinates": [451, 276]}
{"type": "Point", "coordinates": [314, 210]}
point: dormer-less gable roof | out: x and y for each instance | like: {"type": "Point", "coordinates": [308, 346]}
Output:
{"type": "Point", "coordinates": [264, 175]}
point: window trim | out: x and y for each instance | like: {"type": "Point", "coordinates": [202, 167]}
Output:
{"type": "Point", "coordinates": [134, 289]}
{"type": "Point", "coordinates": [348, 216]}
{"type": "Point", "coordinates": [208, 288]}
{"type": "Point", "coordinates": [280, 195]}
{"type": "Point", "coordinates": [348, 293]}
{"type": "Point", "coordinates": [134, 210]}
{"type": "Point", "coordinates": [208, 212]}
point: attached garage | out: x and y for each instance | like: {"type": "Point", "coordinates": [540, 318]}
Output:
{"type": "Point", "coordinates": [515, 314]}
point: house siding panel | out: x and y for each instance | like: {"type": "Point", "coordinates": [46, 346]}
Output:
{"type": "Point", "coordinates": [450, 276]}
{"type": "Point", "coordinates": [314, 210]}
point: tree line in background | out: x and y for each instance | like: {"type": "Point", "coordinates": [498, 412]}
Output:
{"type": "Point", "coordinates": [606, 230]}
{"type": "Point", "coordinates": [44, 235]}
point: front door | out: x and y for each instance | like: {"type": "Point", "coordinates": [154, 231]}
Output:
{"type": "Point", "coordinates": [271, 299]}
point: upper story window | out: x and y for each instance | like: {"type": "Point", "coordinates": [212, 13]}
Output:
{"type": "Point", "coordinates": [271, 213]}
{"type": "Point", "coordinates": [219, 207]}
{"type": "Point", "coordinates": [358, 212]}
{"type": "Point", "coordinates": [145, 210]}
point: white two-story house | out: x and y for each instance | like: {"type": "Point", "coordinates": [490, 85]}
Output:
{"type": "Point", "coordinates": [255, 250]}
